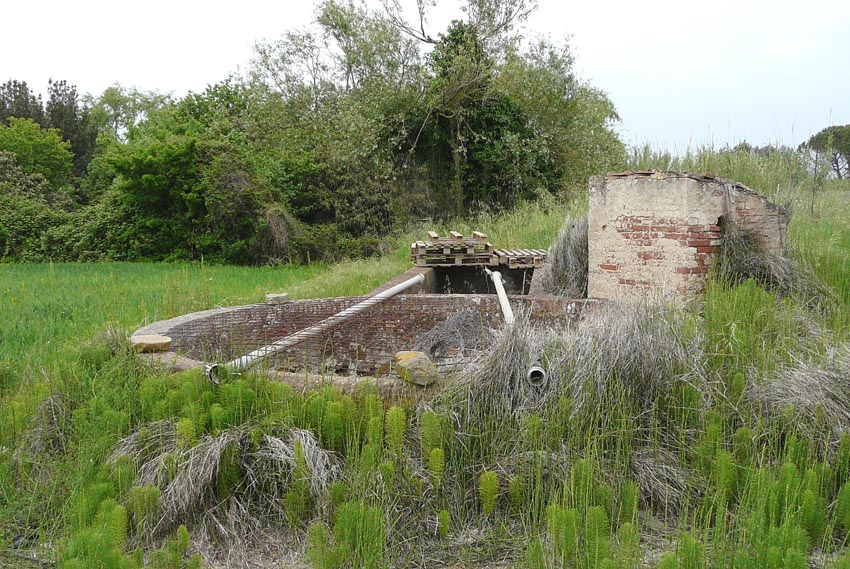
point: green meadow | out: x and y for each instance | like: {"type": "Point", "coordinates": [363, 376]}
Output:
{"type": "Point", "coordinates": [716, 436]}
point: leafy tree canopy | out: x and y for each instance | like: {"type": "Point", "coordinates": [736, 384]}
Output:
{"type": "Point", "coordinates": [38, 150]}
{"type": "Point", "coordinates": [834, 143]}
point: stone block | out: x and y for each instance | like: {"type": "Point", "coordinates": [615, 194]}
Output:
{"type": "Point", "coordinates": [416, 367]}
{"type": "Point", "coordinates": [150, 343]}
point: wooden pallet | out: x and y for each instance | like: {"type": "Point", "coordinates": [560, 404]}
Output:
{"type": "Point", "coordinates": [459, 250]}
{"type": "Point", "coordinates": [423, 248]}
{"type": "Point", "coordinates": [521, 258]}
{"type": "Point", "coordinates": [456, 249]}
{"type": "Point", "coordinates": [437, 261]}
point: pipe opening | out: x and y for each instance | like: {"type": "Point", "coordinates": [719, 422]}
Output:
{"type": "Point", "coordinates": [536, 375]}
{"type": "Point", "coordinates": [211, 371]}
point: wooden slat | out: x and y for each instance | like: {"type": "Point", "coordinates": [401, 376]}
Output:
{"type": "Point", "coordinates": [433, 237]}
{"type": "Point", "coordinates": [479, 235]}
{"type": "Point", "coordinates": [456, 236]}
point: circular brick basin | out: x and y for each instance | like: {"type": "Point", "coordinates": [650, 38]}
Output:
{"type": "Point", "coordinates": [365, 344]}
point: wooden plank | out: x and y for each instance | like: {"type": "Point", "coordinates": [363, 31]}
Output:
{"type": "Point", "coordinates": [480, 236]}
{"type": "Point", "coordinates": [433, 237]}
{"type": "Point", "coordinates": [456, 236]}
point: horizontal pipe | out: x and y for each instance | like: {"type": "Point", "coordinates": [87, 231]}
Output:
{"type": "Point", "coordinates": [244, 362]}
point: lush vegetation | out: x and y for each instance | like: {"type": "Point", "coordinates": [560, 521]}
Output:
{"type": "Point", "coordinates": [334, 140]}
{"type": "Point", "coordinates": [712, 437]}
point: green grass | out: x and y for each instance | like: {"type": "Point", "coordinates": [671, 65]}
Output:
{"type": "Point", "coordinates": [703, 475]}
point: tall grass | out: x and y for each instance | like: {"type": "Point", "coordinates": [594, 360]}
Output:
{"type": "Point", "coordinates": [710, 438]}
{"type": "Point", "coordinates": [778, 174]}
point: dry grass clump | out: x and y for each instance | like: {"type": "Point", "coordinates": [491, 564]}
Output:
{"type": "Point", "coordinates": [460, 334]}
{"type": "Point", "coordinates": [565, 273]}
{"type": "Point", "coordinates": [630, 353]}
{"type": "Point", "coordinates": [816, 394]}
{"type": "Point", "coordinates": [269, 469]}
{"type": "Point", "coordinates": [743, 257]}
{"type": "Point", "coordinates": [664, 483]}
{"type": "Point", "coordinates": [222, 482]}
{"type": "Point", "coordinates": [195, 478]}
{"type": "Point", "coordinates": [495, 384]}
{"type": "Point", "coordinates": [616, 354]}
{"type": "Point", "coordinates": [46, 436]}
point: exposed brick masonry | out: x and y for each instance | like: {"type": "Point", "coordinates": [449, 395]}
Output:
{"type": "Point", "coordinates": [366, 342]}
{"type": "Point", "coordinates": [659, 232]}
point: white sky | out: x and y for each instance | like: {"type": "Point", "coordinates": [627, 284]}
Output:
{"type": "Point", "coordinates": [680, 72]}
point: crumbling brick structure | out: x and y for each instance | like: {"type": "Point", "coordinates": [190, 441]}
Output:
{"type": "Point", "coordinates": [658, 233]}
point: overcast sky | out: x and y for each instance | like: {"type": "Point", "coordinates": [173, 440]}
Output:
{"type": "Point", "coordinates": [679, 72]}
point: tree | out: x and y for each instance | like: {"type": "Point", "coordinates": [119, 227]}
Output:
{"type": "Point", "coordinates": [119, 110]}
{"type": "Point", "coordinates": [575, 120]}
{"type": "Point", "coordinates": [493, 20]}
{"type": "Point", "coordinates": [38, 150]}
{"type": "Point", "coordinates": [473, 138]}
{"type": "Point", "coordinates": [833, 142]}
{"type": "Point", "coordinates": [17, 100]}
{"type": "Point", "coordinates": [29, 209]}
{"type": "Point", "coordinates": [67, 114]}
{"type": "Point", "coordinates": [159, 189]}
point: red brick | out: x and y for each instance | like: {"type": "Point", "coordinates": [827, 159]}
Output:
{"type": "Point", "coordinates": [609, 267]}
{"type": "Point", "coordinates": [691, 270]}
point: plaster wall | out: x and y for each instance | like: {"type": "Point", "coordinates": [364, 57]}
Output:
{"type": "Point", "coordinates": [657, 233]}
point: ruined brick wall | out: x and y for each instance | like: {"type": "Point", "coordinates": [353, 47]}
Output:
{"type": "Point", "coordinates": [658, 233]}
{"type": "Point", "coordinates": [753, 212]}
{"type": "Point", "coordinates": [367, 342]}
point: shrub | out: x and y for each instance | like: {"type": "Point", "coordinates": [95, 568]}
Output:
{"type": "Point", "coordinates": [488, 491]}
{"type": "Point", "coordinates": [436, 467]}
{"type": "Point", "coordinates": [359, 535]}
{"type": "Point", "coordinates": [395, 427]}
{"type": "Point", "coordinates": [443, 521]}
{"type": "Point", "coordinates": [563, 526]}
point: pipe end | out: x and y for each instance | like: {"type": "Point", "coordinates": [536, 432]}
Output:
{"type": "Point", "coordinates": [536, 376]}
{"type": "Point", "coordinates": [211, 371]}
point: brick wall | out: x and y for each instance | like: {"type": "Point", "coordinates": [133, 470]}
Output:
{"type": "Point", "coordinates": [658, 233]}
{"type": "Point", "coordinates": [367, 341]}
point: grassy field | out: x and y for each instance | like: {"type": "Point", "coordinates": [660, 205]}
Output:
{"type": "Point", "coordinates": [714, 437]}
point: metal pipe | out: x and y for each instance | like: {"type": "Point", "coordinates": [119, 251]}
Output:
{"type": "Point", "coordinates": [244, 362]}
{"type": "Point", "coordinates": [507, 311]}
{"type": "Point", "coordinates": [536, 375]}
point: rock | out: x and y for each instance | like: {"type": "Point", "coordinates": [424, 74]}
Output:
{"type": "Point", "coordinates": [416, 367]}
{"type": "Point", "coordinates": [277, 298]}
{"type": "Point", "coordinates": [150, 343]}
